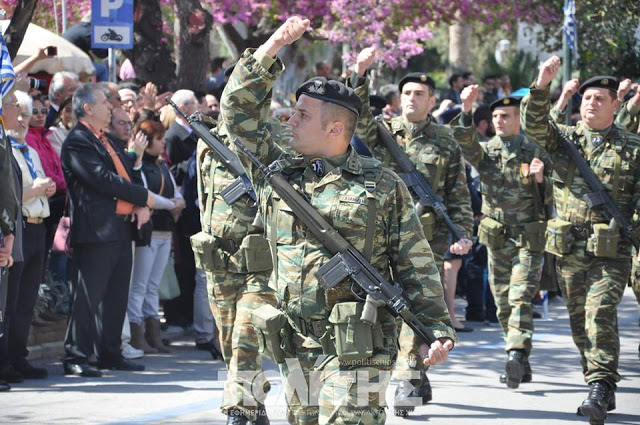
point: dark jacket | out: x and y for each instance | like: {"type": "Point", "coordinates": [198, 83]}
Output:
{"type": "Point", "coordinates": [94, 187]}
{"type": "Point", "coordinates": [154, 172]}
{"type": "Point", "coordinates": [180, 146]}
{"type": "Point", "coordinates": [189, 223]}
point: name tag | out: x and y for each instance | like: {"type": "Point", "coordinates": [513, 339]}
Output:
{"type": "Point", "coordinates": [352, 199]}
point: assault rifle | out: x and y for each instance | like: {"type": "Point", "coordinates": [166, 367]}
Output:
{"type": "Point", "coordinates": [241, 184]}
{"type": "Point", "coordinates": [346, 261]}
{"type": "Point", "coordinates": [416, 182]}
{"type": "Point", "coordinates": [599, 197]}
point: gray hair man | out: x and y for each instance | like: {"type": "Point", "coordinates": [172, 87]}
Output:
{"type": "Point", "coordinates": [63, 84]}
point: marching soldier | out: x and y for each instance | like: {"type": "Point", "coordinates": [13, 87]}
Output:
{"type": "Point", "coordinates": [327, 335]}
{"type": "Point", "coordinates": [593, 260]}
{"type": "Point", "coordinates": [231, 250]}
{"type": "Point", "coordinates": [437, 156]}
{"type": "Point", "coordinates": [516, 188]}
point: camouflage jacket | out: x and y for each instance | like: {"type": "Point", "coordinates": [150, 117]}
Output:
{"type": "Point", "coordinates": [629, 117]}
{"type": "Point", "coordinates": [509, 194]}
{"type": "Point", "coordinates": [619, 147]}
{"type": "Point", "coordinates": [426, 143]}
{"type": "Point", "coordinates": [10, 206]}
{"type": "Point", "coordinates": [400, 250]}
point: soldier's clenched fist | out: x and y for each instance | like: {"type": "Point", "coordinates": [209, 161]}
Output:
{"type": "Point", "coordinates": [548, 71]}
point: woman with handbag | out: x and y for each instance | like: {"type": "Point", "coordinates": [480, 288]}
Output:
{"type": "Point", "coordinates": [151, 256]}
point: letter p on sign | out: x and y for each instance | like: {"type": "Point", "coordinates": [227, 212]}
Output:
{"type": "Point", "coordinates": [107, 5]}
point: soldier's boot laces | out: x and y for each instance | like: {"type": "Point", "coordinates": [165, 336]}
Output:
{"type": "Point", "coordinates": [235, 417]}
{"type": "Point", "coordinates": [526, 378]}
{"type": "Point", "coordinates": [601, 399]}
{"type": "Point", "coordinates": [515, 368]}
{"type": "Point", "coordinates": [406, 399]}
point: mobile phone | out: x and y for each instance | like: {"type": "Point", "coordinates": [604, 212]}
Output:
{"type": "Point", "coordinates": [51, 51]}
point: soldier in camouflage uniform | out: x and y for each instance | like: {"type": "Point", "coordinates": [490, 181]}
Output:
{"type": "Point", "coordinates": [593, 268]}
{"type": "Point", "coordinates": [516, 188]}
{"type": "Point", "coordinates": [437, 156]}
{"type": "Point", "coordinates": [344, 188]}
{"type": "Point", "coordinates": [237, 270]}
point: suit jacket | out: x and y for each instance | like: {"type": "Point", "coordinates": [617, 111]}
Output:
{"type": "Point", "coordinates": [52, 115]}
{"type": "Point", "coordinates": [94, 187]}
{"type": "Point", "coordinates": [180, 146]}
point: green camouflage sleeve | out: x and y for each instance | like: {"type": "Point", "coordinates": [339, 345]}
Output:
{"type": "Point", "coordinates": [413, 265]}
{"type": "Point", "coordinates": [10, 204]}
{"type": "Point", "coordinates": [629, 116]}
{"type": "Point", "coordinates": [536, 121]}
{"type": "Point", "coordinates": [557, 115]}
{"type": "Point", "coordinates": [366, 129]}
{"type": "Point", "coordinates": [244, 107]}
{"type": "Point", "coordinates": [464, 131]}
{"type": "Point", "coordinates": [547, 184]}
{"type": "Point", "coordinates": [457, 192]}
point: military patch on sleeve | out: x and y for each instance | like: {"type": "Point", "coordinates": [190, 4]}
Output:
{"type": "Point", "coordinates": [317, 165]}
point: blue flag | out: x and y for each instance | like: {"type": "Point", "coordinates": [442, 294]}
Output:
{"type": "Point", "coordinates": [7, 76]}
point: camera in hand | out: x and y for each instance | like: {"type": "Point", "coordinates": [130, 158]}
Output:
{"type": "Point", "coordinates": [51, 51]}
{"type": "Point", "coordinates": [35, 83]}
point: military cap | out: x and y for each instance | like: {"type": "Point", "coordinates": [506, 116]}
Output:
{"type": "Point", "coordinates": [229, 69]}
{"type": "Point", "coordinates": [417, 77]}
{"type": "Point", "coordinates": [331, 91]}
{"type": "Point", "coordinates": [505, 101]}
{"type": "Point", "coordinates": [377, 101]}
{"type": "Point", "coordinates": [601, 81]}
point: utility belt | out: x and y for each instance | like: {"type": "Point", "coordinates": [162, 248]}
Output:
{"type": "Point", "coordinates": [494, 234]}
{"type": "Point", "coordinates": [342, 334]}
{"type": "Point", "coordinates": [601, 239]}
{"type": "Point", "coordinates": [213, 253]}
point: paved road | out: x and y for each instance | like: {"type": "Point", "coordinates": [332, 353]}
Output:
{"type": "Point", "coordinates": [184, 387]}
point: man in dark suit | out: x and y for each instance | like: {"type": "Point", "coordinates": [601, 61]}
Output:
{"type": "Point", "coordinates": [104, 201]}
{"type": "Point", "coordinates": [181, 142]}
{"type": "Point", "coordinates": [63, 84]}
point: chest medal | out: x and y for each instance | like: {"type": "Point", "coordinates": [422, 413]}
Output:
{"type": "Point", "coordinates": [317, 165]}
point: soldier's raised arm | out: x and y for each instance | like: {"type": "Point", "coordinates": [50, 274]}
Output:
{"type": "Point", "coordinates": [244, 107]}
{"type": "Point", "coordinates": [558, 112]}
{"type": "Point", "coordinates": [534, 109]}
{"type": "Point", "coordinates": [366, 128]}
{"type": "Point", "coordinates": [629, 113]}
{"type": "Point", "coordinates": [464, 130]}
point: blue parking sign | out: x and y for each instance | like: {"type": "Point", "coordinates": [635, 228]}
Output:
{"type": "Point", "coordinates": [112, 24]}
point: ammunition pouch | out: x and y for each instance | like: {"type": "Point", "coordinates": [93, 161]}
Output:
{"type": "Point", "coordinates": [428, 221]}
{"type": "Point", "coordinates": [207, 254]}
{"type": "Point", "coordinates": [274, 333]}
{"type": "Point", "coordinates": [491, 233]}
{"type": "Point", "coordinates": [354, 339]}
{"type": "Point", "coordinates": [559, 237]}
{"type": "Point", "coordinates": [603, 242]}
{"type": "Point", "coordinates": [212, 253]}
{"type": "Point", "coordinates": [534, 236]}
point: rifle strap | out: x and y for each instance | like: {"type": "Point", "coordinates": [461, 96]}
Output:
{"type": "Point", "coordinates": [616, 177]}
{"type": "Point", "coordinates": [372, 210]}
{"type": "Point", "coordinates": [537, 199]}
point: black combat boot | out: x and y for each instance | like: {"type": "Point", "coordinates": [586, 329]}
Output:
{"type": "Point", "coordinates": [261, 418]}
{"type": "Point", "coordinates": [526, 378]}
{"type": "Point", "coordinates": [403, 402]}
{"type": "Point", "coordinates": [235, 417]}
{"type": "Point", "coordinates": [514, 369]}
{"type": "Point", "coordinates": [601, 399]}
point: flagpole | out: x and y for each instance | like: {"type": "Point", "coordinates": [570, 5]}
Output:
{"type": "Point", "coordinates": [566, 48]}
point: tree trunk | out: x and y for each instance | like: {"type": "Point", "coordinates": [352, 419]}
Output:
{"type": "Point", "coordinates": [22, 15]}
{"type": "Point", "coordinates": [150, 56]}
{"type": "Point", "coordinates": [459, 47]}
{"type": "Point", "coordinates": [192, 44]}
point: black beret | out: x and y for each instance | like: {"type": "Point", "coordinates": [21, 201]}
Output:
{"type": "Point", "coordinates": [331, 91]}
{"type": "Point", "coordinates": [229, 69]}
{"type": "Point", "coordinates": [417, 77]}
{"type": "Point", "coordinates": [505, 101]}
{"type": "Point", "coordinates": [601, 81]}
{"type": "Point", "coordinates": [377, 101]}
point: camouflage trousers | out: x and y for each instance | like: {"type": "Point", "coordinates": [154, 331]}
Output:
{"type": "Point", "coordinates": [409, 360]}
{"type": "Point", "coordinates": [232, 297]}
{"type": "Point", "coordinates": [514, 278]}
{"type": "Point", "coordinates": [592, 289]}
{"type": "Point", "coordinates": [321, 390]}
{"type": "Point", "coordinates": [635, 277]}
